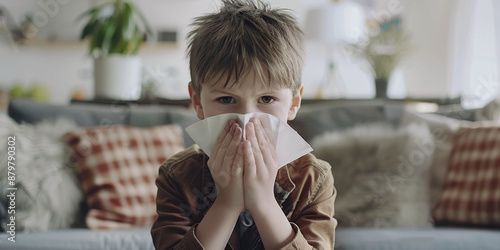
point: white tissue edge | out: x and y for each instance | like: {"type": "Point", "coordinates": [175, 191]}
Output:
{"type": "Point", "coordinates": [300, 146]}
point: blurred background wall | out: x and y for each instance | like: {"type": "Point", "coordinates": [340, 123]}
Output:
{"type": "Point", "coordinates": [455, 48]}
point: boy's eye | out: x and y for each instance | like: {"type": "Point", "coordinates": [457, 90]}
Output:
{"type": "Point", "coordinates": [267, 99]}
{"type": "Point", "coordinates": [226, 99]}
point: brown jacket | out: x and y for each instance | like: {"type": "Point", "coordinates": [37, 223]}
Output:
{"type": "Point", "coordinates": [304, 189]}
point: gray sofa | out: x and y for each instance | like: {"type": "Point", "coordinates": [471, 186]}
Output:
{"type": "Point", "coordinates": [312, 122]}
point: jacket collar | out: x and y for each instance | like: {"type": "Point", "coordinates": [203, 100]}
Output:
{"type": "Point", "coordinates": [283, 185]}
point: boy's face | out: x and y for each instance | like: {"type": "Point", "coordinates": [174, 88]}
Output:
{"type": "Point", "coordinates": [247, 96]}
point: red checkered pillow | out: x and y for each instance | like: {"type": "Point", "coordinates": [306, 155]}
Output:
{"type": "Point", "coordinates": [471, 191]}
{"type": "Point", "coordinates": [118, 166]}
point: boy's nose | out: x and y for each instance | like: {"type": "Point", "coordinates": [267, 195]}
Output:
{"type": "Point", "coordinates": [247, 108]}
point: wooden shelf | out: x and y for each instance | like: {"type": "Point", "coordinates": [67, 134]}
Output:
{"type": "Point", "coordinates": [84, 45]}
{"type": "Point", "coordinates": [158, 101]}
{"type": "Point", "coordinates": [54, 44]}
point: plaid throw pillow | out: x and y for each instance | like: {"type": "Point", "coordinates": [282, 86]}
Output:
{"type": "Point", "coordinates": [118, 166]}
{"type": "Point", "coordinates": [471, 191]}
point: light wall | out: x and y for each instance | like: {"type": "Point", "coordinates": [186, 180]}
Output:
{"type": "Point", "coordinates": [65, 67]}
{"type": "Point", "coordinates": [427, 72]}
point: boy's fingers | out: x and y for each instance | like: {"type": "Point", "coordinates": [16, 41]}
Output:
{"type": "Point", "coordinates": [232, 149]}
{"type": "Point", "coordinates": [248, 160]}
{"type": "Point", "coordinates": [237, 168]}
{"type": "Point", "coordinates": [226, 130]}
{"type": "Point", "coordinates": [221, 137]}
{"type": "Point", "coordinates": [267, 149]}
{"type": "Point", "coordinates": [224, 133]}
{"type": "Point", "coordinates": [220, 148]}
{"type": "Point", "coordinates": [222, 178]}
{"type": "Point", "coordinates": [256, 152]}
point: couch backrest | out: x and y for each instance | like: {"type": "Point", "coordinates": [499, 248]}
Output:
{"type": "Point", "coordinates": [316, 119]}
{"type": "Point", "coordinates": [91, 115]}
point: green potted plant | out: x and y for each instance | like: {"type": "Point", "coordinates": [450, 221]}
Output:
{"type": "Point", "coordinates": [116, 31]}
{"type": "Point", "coordinates": [383, 52]}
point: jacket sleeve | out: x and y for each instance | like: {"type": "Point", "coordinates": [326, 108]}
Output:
{"type": "Point", "coordinates": [172, 229]}
{"type": "Point", "coordinates": [315, 225]}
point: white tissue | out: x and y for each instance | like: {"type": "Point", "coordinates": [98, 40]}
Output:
{"type": "Point", "coordinates": [287, 142]}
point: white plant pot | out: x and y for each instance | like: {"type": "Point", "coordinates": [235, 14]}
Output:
{"type": "Point", "coordinates": [118, 77]}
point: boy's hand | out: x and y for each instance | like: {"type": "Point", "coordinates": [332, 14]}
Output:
{"type": "Point", "coordinates": [226, 166]}
{"type": "Point", "coordinates": [261, 167]}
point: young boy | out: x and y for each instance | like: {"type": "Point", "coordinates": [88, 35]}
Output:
{"type": "Point", "coordinates": [245, 58]}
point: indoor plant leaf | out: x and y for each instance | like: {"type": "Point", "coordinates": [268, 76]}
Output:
{"type": "Point", "coordinates": [127, 22]}
{"type": "Point", "coordinates": [97, 40]}
{"type": "Point", "coordinates": [88, 29]}
{"type": "Point", "coordinates": [113, 28]}
{"type": "Point", "coordinates": [138, 41]}
{"type": "Point", "coordinates": [109, 30]}
{"type": "Point", "coordinates": [90, 13]}
{"type": "Point", "coordinates": [142, 18]}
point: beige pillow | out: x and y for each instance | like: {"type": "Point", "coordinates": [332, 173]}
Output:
{"type": "Point", "coordinates": [443, 130]}
{"type": "Point", "coordinates": [381, 174]}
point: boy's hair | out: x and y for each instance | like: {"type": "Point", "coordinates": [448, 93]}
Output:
{"type": "Point", "coordinates": [246, 35]}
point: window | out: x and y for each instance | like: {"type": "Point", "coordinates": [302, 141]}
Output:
{"type": "Point", "coordinates": [481, 77]}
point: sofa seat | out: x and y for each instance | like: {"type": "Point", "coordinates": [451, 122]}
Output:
{"type": "Point", "coordinates": [79, 239]}
{"type": "Point", "coordinates": [346, 238]}
{"type": "Point", "coordinates": [417, 238]}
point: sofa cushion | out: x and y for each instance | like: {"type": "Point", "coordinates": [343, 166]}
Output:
{"type": "Point", "coordinates": [442, 130]}
{"type": "Point", "coordinates": [471, 191]}
{"type": "Point", "coordinates": [381, 174]}
{"type": "Point", "coordinates": [118, 166]}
